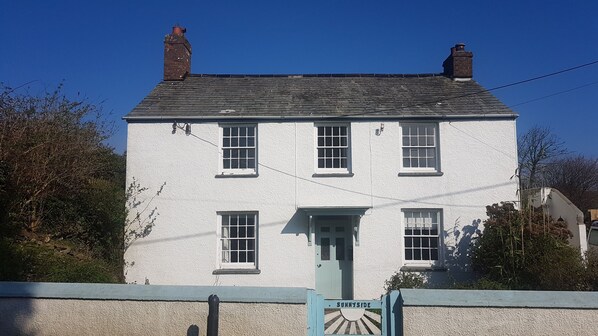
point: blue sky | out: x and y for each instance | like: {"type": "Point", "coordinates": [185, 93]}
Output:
{"type": "Point", "coordinates": [112, 52]}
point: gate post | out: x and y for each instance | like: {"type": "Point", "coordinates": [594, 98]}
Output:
{"type": "Point", "coordinates": [320, 317]}
{"type": "Point", "coordinates": [315, 313]}
{"type": "Point", "coordinates": [394, 313]}
{"type": "Point", "coordinates": [213, 302]}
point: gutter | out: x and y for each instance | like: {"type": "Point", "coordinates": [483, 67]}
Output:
{"type": "Point", "coordinates": [331, 118]}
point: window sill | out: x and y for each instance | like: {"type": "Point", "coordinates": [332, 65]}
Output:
{"type": "Point", "coordinates": [333, 175]}
{"type": "Point", "coordinates": [423, 268]}
{"type": "Point", "coordinates": [421, 173]}
{"type": "Point", "coordinates": [236, 175]}
{"type": "Point", "coordinates": [236, 271]}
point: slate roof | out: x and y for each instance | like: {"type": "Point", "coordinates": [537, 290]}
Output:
{"type": "Point", "coordinates": [318, 96]}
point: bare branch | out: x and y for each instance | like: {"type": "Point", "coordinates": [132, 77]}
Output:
{"type": "Point", "coordinates": [536, 149]}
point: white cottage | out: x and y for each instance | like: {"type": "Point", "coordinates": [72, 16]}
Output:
{"type": "Point", "coordinates": [332, 182]}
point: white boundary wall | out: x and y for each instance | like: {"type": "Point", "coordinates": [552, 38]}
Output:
{"type": "Point", "coordinates": [478, 312]}
{"type": "Point", "coordinates": [97, 309]}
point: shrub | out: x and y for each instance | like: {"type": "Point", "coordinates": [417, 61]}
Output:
{"type": "Point", "coordinates": [527, 250]}
{"type": "Point", "coordinates": [591, 263]}
{"type": "Point", "coordinates": [483, 283]}
{"type": "Point", "coordinates": [33, 262]}
{"type": "Point", "coordinates": [12, 261]}
{"type": "Point", "coordinates": [404, 279]}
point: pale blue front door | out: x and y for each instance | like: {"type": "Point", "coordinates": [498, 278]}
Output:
{"type": "Point", "coordinates": [334, 257]}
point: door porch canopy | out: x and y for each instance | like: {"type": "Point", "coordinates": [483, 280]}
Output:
{"type": "Point", "coordinates": [354, 212]}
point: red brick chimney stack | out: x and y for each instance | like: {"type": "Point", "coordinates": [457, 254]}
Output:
{"type": "Point", "coordinates": [177, 55]}
{"type": "Point", "coordinates": [459, 64]}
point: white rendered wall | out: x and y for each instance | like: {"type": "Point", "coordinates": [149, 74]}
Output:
{"type": "Point", "coordinates": [558, 206]}
{"type": "Point", "coordinates": [490, 321]}
{"type": "Point", "coordinates": [478, 160]}
{"type": "Point", "coordinates": [53, 317]}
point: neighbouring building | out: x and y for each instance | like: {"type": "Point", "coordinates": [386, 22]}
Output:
{"type": "Point", "coordinates": [325, 181]}
{"type": "Point", "coordinates": [556, 205]}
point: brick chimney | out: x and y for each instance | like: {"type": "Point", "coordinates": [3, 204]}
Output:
{"type": "Point", "coordinates": [459, 64]}
{"type": "Point", "coordinates": [177, 55]}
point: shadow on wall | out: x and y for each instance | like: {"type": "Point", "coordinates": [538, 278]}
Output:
{"type": "Point", "coordinates": [457, 255]}
{"type": "Point", "coordinates": [297, 225]}
{"type": "Point", "coordinates": [16, 309]}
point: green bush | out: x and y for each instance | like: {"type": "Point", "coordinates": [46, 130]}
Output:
{"type": "Point", "coordinates": [70, 270]}
{"type": "Point", "coordinates": [591, 263]}
{"type": "Point", "coordinates": [404, 279]}
{"type": "Point", "coordinates": [33, 262]}
{"type": "Point", "coordinates": [13, 261]}
{"type": "Point", "coordinates": [527, 250]}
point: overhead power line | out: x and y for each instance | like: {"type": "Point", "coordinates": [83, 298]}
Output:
{"type": "Point", "coordinates": [554, 94]}
{"type": "Point", "coordinates": [424, 103]}
{"type": "Point", "coordinates": [421, 200]}
{"type": "Point", "coordinates": [544, 76]}
{"type": "Point", "coordinates": [474, 93]}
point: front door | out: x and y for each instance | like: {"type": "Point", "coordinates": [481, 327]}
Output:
{"type": "Point", "coordinates": [334, 257]}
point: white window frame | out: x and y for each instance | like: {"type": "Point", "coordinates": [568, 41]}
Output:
{"type": "Point", "coordinates": [436, 148]}
{"type": "Point", "coordinates": [440, 237]}
{"type": "Point", "coordinates": [346, 170]}
{"type": "Point", "coordinates": [222, 264]}
{"type": "Point", "coordinates": [236, 171]}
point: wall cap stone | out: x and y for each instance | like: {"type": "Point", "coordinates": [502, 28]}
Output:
{"type": "Point", "coordinates": [44, 290]}
{"type": "Point", "coordinates": [498, 298]}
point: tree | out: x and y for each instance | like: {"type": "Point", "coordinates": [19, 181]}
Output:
{"type": "Point", "coordinates": [536, 149]}
{"type": "Point", "coordinates": [62, 190]}
{"type": "Point", "coordinates": [577, 178]}
{"type": "Point", "coordinates": [49, 146]}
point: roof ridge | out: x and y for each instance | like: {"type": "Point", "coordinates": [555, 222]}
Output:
{"type": "Point", "coordinates": [319, 75]}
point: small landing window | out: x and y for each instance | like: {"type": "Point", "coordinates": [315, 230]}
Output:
{"type": "Point", "coordinates": [333, 149]}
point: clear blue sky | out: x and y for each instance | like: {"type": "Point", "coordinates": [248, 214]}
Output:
{"type": "Point", "coordinates": [112, 52]}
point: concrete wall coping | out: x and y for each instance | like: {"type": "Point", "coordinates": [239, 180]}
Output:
{"type": "Point", "coordinates": [498, 298]}
{"type": "Point", "coordinates": [80, 291]}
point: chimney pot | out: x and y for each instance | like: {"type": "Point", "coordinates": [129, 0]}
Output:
{"type": "Point", "coordinates": [178, 30]}
{"type": "Point", "coordinates": [460, 46]}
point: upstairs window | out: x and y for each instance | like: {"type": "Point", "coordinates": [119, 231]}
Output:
{"type": "Point", "coordinates": [238, 149]}
{"type": "Point", "coordinates": [333, 149]}
{"type": "Point", "coordinates": [420, 147]}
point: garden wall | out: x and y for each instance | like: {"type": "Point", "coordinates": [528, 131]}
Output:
{"type": "Point", "coordinates": [485, 312]}
{"type": "Point", "coordinates": [108, 309]}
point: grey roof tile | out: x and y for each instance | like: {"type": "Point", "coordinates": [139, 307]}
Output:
{"type": "Point", "coordinates": [317, 96]}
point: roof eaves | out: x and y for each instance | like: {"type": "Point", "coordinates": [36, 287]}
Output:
{"type": "Point", "coordinates": [326, 117]}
